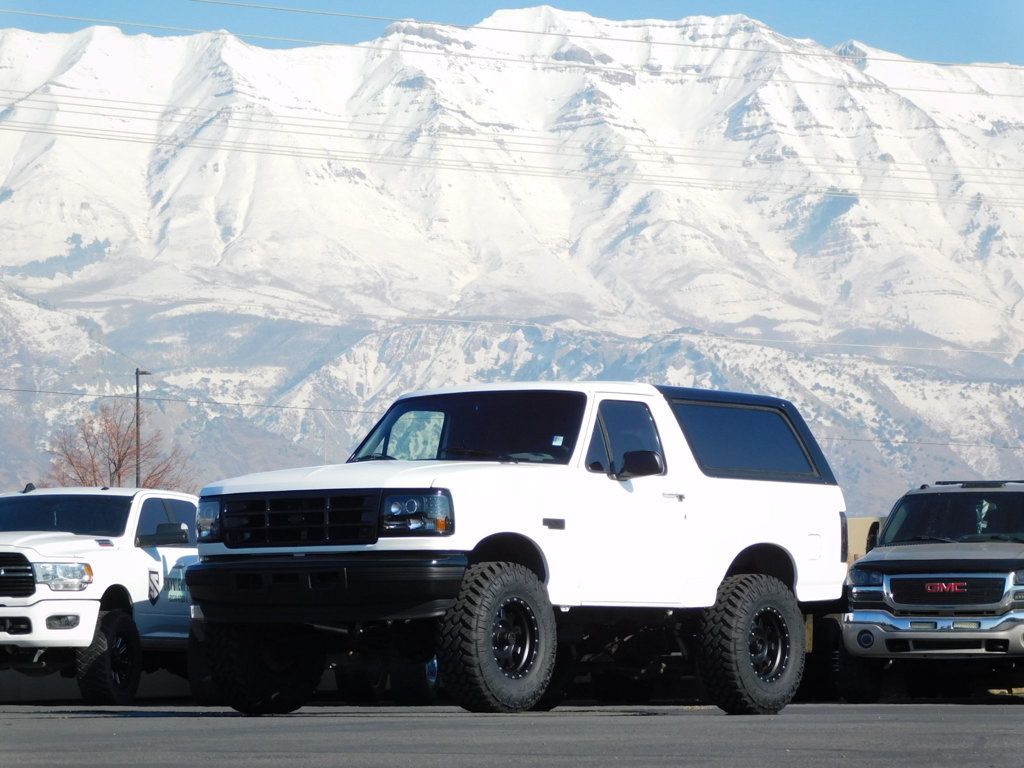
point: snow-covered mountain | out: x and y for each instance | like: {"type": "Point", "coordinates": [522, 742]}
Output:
{"type": "Point", "coordinates": [544, 195]}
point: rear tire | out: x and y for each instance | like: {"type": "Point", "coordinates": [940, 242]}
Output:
{"type": "Point", "coordinates": [496, 650]}
{"type": "Point", "coordinates": [264, 669]}
{"type": "Point", "coordinates": [109, 670]}
{"type": "Point", "coordinates": [751, 646]}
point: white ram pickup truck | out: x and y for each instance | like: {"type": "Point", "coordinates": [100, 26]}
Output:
{"type": "Point", "coordinates": [92, 585]}
{"type": "Point", "coordinates": [511, 530]}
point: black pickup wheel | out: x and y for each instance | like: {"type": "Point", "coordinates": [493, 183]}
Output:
{"type": "Point", "coordinates": [498, 640]}
{"type": "Point", "coordinates": [751, 651]}
{"type": "Point", "coordinates": [109, 670]}
{"type": "Point", "coordinates": [264, 669]}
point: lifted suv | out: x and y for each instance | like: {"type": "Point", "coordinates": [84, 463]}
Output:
{"type": "Point", "coordinates": [946, 581]}
{"type": "Point", "coordinates": [512, 530]}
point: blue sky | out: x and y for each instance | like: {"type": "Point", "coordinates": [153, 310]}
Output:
{"type": "Point", "coordinates": [933, 30]}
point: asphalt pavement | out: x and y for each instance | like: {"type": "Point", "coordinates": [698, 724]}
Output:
{"type": "Point", "coordinates": [172, 733]}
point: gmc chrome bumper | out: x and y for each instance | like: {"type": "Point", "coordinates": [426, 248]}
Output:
{"type": "Point", "coordinates": [879, 634]}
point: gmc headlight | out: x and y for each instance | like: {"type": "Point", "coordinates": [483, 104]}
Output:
{"type": "Point", "coordinates": [208, 520]}
{"type": "Point", "coordinates": [63, 577]}
{"type": "Point", "coordinates": [861, 577]}
{"type": "Point", "coordinates": [1018, 577]}
{"type": "Point", "coordinates": [417, 513]}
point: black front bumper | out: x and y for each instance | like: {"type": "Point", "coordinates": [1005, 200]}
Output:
{"type": "Point", "coordinates": [332, 590]}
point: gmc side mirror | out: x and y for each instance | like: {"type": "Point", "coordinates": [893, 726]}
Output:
{"type": "Point", "coordinates": [640, 464]}
{"type": "Point", "coordinates": [872, 540]}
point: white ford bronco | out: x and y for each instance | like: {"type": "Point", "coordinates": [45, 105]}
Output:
{"type": "Point", "coordinates": [511, 530]}
{"type": "Point", "coordinates": [92, 585]}
{"type": "Point", "coordinates": [942, 589]}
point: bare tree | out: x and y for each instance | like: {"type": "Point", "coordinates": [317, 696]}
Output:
{"type": "Point", "coordinates": [100, 450]}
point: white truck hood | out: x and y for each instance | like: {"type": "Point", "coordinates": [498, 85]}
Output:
{"type": "Point", "coordinates": [52, 544]}
{"type": "Point", "coordinates": [367, 474]}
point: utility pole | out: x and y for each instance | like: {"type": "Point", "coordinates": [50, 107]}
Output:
{"type": "Point", "coordinates": [138, 428]}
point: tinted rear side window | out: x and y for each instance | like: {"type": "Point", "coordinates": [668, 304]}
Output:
{"type": "Point", "coordinates": [730, 440]}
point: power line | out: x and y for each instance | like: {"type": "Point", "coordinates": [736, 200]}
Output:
{"type": "Point", "coordinates": [509, 146]}
{"type": "Point", "coordinates": [509, 169]}
{"type": "Point", "coordinates": [531, 138]}
{"type": "Point", "coordinates": [196, 401]}
{"type": "Point", "coordinates": [541, 63]}
{"type": "Point", "coordinates": [184, 400]}
{"type": "Point", "coordinates": [922, 443]}
{"type": "Point", "coordinates": [575, 36]}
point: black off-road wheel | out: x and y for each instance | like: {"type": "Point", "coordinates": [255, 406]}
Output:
{"type": "Point", "coordinates": [496, 649]}
{"type": "Point", "coordinates": [264, 669]}
{"type": "Point", "coordinates": [751, 646]}
{"type": "Point", "coordinates": [108, 671]}
{"type": "Point", "coordinates": [562, 677]}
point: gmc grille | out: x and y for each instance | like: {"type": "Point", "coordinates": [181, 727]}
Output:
{"type": "Point", "coordinates": [16, 579]}
{"type": "Point", "coordinates": [977, 590]}
{"type": "Point", "coordinates": [320, 518]}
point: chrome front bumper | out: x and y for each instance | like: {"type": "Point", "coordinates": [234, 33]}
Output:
{"type": "Point", "coordinates": [881, 635]}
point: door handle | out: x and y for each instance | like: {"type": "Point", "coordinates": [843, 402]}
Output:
{"type": "Point", "coordinates": [554, 523]}
{"type": "Point", "coordinates": [676, 496]}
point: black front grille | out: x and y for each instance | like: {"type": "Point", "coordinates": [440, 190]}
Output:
{"type": "Point", "coordinates": [948, 590]}
{"type": "Point", "coordinates": [317, 518]}
{"type": "Point", "coordinates": [16, 579]}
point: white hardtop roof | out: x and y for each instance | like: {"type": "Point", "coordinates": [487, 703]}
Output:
{"type": "Point", "coordinates": [586, 387]}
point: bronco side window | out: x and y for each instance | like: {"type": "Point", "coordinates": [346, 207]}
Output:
{"type": "Point", "coordinates": [621, 426]}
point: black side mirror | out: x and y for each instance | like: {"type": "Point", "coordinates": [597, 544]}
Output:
{"type": "Point", "coordinates": [640, 464]}
{"type": "Point", "coordinates": [167, 534]}
{"type": "Point", "coordinates": [872, 540]}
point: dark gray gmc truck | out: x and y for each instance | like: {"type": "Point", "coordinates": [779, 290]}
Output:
{"type": "Point", "coordinates": [944, 584]}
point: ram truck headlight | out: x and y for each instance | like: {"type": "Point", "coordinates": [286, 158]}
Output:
{"type": "Point", "coordinates": [861, 577]}
{"type": "Point", "coordinates": [208, 520]}
{"type": "Point", "coordinates": [63, 577]}
{"type": "Point", "coordinates": [425, 512]}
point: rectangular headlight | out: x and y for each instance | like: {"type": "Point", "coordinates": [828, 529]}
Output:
{"type": "Point", "coordinates": [862, 577]}
{"type": "Point", "coordinates": [419, 512]}
{"type": "Point", "coordinates": [63, 577]}
{"type": "Point", "coordinates": [208, 520]}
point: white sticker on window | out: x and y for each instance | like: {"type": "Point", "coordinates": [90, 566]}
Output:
{"type": "Point", "coordinates": [556, 441]}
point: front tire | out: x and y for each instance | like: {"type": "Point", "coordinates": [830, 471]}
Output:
{"type": "Point", "coordinates": [109, 670]}
{"type": "Point", "coordinates": [751, 646]}
{"type": "Point", "coordinates": [497, 641]}
{"type": "Point", "coordinates": [264, 670]}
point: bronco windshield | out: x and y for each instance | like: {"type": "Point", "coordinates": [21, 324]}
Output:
{"type": "Point", "coordinates": [956, 516]}
{"type": "Point", "coordinates": [71, 513]}
{"type": "Point", "coordinates": [516, 426]}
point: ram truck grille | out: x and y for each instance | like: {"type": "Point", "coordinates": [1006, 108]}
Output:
{"type": "Point", "coordinates": [948, 590]}
{"type": "Point", "coordinates": [16, 579]}
{"type": "Point", "coordinates": [318, 518]}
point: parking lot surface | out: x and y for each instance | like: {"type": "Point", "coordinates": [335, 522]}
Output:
{"type": "Point", "coordinates": [171, 733]}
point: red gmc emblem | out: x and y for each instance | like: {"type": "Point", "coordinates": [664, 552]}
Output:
{"type": "Point", "coordinates": [945, 586]}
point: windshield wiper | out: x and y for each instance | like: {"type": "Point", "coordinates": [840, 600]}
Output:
{"type": "Point", "coordinates": [1018, 538]}
{"type": "Point", "coordinates": [479, 453]}
{"type": "Point", "coordinates": [920, 539]}
{"type": "Point", "coordinates": [374, 457]}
